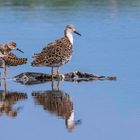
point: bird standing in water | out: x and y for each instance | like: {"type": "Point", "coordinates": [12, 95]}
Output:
{"type": "Point", "coordinates": [9, 59]}
{"type": "Point", "coordinates": [57, 53]}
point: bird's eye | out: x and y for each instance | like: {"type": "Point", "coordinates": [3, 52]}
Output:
{"type": "Point", "coordinates": [70, 28]}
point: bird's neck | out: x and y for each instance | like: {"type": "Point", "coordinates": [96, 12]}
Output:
{"type": "Point", "coordinates": [70, 120]}
{"type": "Point", "coordinates": [69, 36]}
{"type": "Point", "coordinates": [7, 49]}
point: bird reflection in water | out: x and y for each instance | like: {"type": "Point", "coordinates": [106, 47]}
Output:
{"type": "Point", "coordinates": [59, 103]}
{"type": "Point", "coordinates": [8, 99]}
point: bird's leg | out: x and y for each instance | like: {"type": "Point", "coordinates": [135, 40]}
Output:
{"type": "Point", "coordinates": [59, 78]}
{"type": "Point", "coordinates": [4, 93]}
{"type": "Point", "coordinates": [5, 85]}
{"type": "Point", "coordinates": [4, 71]}
{"type": "Point", "coordinates": [0, 78]}
{"type": "Point", "coordinates": [52, 85]}
{"type": "Point", "coordinates": [52, 74]}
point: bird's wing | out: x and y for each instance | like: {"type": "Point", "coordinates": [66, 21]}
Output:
{"type": "Point", "coordinates": [50, 50]}
{"type": "Point", "coordinates": [12, 60]}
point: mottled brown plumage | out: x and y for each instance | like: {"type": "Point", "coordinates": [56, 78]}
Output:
{"type": "Point", "coordinates": [13, 60]}
{"type": "Point", "coordinates": [56, 53]}
{"type": "Point", "coordinates": [9, 59]}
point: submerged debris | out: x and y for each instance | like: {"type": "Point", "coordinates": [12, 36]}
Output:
{"type": "Point", "coordinates": [77, 76]}
{"type": "Point", "coordinates": [32, 78]}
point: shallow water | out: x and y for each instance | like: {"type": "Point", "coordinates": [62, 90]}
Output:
{"type": "Point", "coordinates": [109, 45]}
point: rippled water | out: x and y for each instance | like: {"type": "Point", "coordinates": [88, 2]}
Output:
{"type": "Point", "coordinates": [109, 45]}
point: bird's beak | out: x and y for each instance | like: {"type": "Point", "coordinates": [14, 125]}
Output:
{"type": "Point", "coordinates": [77, 33]}
{"type": "Point", "coordinates": [19, 50]}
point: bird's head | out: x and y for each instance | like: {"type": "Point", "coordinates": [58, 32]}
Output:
{"type": "Point", "coordinates": [71, 29]}
{"type": "Point", "coordinates": [12, 45]}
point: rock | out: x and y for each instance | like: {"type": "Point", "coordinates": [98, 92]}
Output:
{"type": "Point", "coordinates": [77, 76]}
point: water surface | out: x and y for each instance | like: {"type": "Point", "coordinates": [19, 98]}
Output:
{"type": "Point", "coordinates": [109, 45]}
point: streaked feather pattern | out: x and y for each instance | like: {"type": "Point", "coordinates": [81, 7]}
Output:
{"type": "Point", "coordinates": [13, 60]}
{"type": "Point", "coordinates": [54, 54]}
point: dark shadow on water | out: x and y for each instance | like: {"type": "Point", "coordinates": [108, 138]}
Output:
{"type": "Point", "coordinates": [32, 78]}
{"type": "Point", "coordinates": [8, 99]}
{"type": "Point", "coordinates": [58, 103]}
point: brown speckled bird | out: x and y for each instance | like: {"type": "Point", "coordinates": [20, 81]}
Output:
{"type": "Point", "coordinates": [9, 59]}
{"type": "Point", "coordinates": [57, 53]}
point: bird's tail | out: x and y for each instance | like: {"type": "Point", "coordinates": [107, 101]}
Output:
{"type": "Point", "coordinates": [38, 59]}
